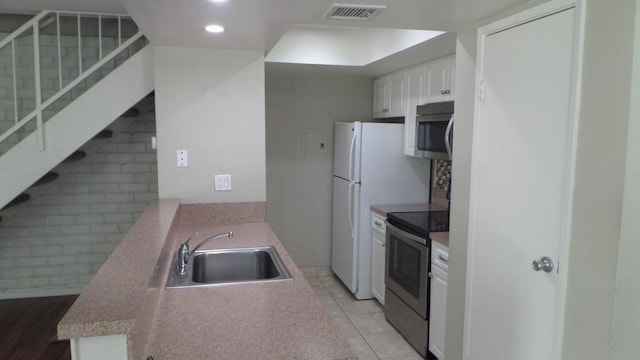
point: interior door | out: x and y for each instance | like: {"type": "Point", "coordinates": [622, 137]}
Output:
{"type": "Point", "coordinates": [520, 188]}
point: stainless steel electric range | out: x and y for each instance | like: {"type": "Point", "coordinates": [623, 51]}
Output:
{"type": "Point", "coordinates": [407, 260]}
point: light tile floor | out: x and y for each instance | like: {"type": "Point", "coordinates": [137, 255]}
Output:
{"type": "Point", "coordinates": [361, 321]}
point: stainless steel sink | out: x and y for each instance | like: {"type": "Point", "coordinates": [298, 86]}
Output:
{"type": "Point", "coordinates": [231, 266]}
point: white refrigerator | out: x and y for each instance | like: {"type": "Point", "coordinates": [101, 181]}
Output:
{"type": "Point", "coordinates": [369, 168]}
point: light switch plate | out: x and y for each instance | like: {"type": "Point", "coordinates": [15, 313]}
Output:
{"type": "Point", "coordinates": [223, 182]}
{"type": "Point", "coordinates": [183, 160]}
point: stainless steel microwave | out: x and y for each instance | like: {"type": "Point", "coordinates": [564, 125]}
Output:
{"type": "Point", "coordinates": [434, 130]}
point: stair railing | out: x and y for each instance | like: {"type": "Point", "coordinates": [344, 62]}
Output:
{"type": "Point", "coordinates": [33, 27]}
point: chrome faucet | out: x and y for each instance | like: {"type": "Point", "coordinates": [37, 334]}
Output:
{"type": "Point", "coordinates": [184, 254]}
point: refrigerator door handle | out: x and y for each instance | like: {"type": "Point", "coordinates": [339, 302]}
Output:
{"type": "Point", "coordinates": [350, 205]}
{"type": "Point", "coordinates": [351, 154]}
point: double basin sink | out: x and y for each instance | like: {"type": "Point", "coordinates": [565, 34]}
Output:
{"type": "Point", "coordinates": [230, 266]}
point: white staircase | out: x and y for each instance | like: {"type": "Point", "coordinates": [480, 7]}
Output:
{"type": "Point", "coordinates": [55, 134]}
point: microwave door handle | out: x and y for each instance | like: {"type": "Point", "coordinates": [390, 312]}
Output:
{"type": "Point", "coordinates": [447, 136]}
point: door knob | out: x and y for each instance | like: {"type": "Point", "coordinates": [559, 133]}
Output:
{"type": "Point", "coordinates": [545, 264]}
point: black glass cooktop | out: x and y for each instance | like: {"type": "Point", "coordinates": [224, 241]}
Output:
{"type": "Point", "coordinates": [420, 223]}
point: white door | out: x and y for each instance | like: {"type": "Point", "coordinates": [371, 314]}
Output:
{"type": "Point", "coordinates": [520, 187]}
{"type": "Point", "coordinates": [344, 237]}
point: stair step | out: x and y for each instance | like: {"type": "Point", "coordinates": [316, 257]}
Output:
{"type": "Point", "coordinates": [77, 155]}
{"type": "Point", "coordinates": [22, 198]}
{"type": "Point", "coordinates": [47, 178]}
{"type": "Point", "coordinates": [104, 134]}
{"type": "Point", "coordinates": [132, 112]}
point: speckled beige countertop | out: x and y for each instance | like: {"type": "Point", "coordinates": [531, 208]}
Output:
{"type": "Point", "coordinates": [276, 320]}
{"type": "Point", "coordinates": [118, 294]}
{"type": "Point", "coordinates": [442, 237]}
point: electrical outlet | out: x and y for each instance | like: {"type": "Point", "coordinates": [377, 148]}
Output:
{"type": "Point", "coordinates": [223, 183]}
{"type": "Point", "coordinates": [183, 160]}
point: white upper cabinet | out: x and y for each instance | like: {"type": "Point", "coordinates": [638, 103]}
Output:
{"type": "Point", "coordinates": [379, 97]}
{"type": "Point", "coordinates": [388, 96]}
{"type": "Point", "coordinates": [415, 85]}
{"type": "Point", "coordinates": [399, 93]}
{"type": "Point", "coordinates": [396, 95]}
{"type": "Point", "coordinates": [440, 80]}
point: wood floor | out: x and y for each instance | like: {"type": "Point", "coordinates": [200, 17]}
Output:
{"type": "Point", "coordinates": [28, 328]}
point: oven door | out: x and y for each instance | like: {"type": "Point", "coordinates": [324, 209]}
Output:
{"type": "Point", "coordinates": [407, 264]}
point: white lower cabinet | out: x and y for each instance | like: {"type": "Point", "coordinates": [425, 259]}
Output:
{"type": "Point", "coordinates": [438, 299]}
{"type": "Point", "coordinates": [378, 239]}
{"type": "Point", "coordinates": [109, 347]}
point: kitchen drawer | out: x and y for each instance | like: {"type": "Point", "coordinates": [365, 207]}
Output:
{"type": "Point", "coordinates": [440, 255]}
{"type": "Point", "coordinates": [377, 222]}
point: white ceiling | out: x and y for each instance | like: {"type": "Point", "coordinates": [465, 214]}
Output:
{"type": "Point", "coordinates": [259, 24]}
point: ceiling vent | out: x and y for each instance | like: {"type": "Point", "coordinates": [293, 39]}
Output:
{"type": "Point", "coordinates": [352, 12]}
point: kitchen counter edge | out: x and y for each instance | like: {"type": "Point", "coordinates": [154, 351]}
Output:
{"type": "Point", "coordinates": [132, 305]}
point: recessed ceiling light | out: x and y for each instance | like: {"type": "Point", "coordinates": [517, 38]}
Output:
{"type": "Point", "coordinates": [214, 28]}
{"type": "Point", "coordinates": [220, 1]}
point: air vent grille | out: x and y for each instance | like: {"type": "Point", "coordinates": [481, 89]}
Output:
{"type": "Point", "coordinates": [353, 12]}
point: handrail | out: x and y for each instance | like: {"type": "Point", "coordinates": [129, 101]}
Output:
{"type": "Point", "coordinates": [69, 86]}
{"type": "Point", "coordinates": [29, 24]}
{"type": "Point", "coordinates": [34, 25]}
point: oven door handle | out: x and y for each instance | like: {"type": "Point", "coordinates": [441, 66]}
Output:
{"type": "Point", "coordinates": [405, 234]}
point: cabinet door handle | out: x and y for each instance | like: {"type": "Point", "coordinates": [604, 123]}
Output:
{"type": "Point", "coordinates": [442, 92]}
{"type": "Point", "coordinates": [378, 223]}
{"type": "Point", "coordinates": [445, 259]}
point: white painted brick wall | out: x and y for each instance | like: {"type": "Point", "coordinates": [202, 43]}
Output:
{"type": "Point", "coordinates": [60, 238]}
{"type": "Point", "coordinates": [50, 76]}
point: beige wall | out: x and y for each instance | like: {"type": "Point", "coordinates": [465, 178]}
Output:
{"type": "Point", "coordinates": [600, 168]}
{"type": "Point", "coordinates": [304, 103]}
{"type": "Point", "coordinates": [599, 177]}
{"type": "Point", "coordinates": [627, 311]}
{"type": "Point", "coordinates": [460, 178]}
{"type": "Point", "coordinates": [210, 103]}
